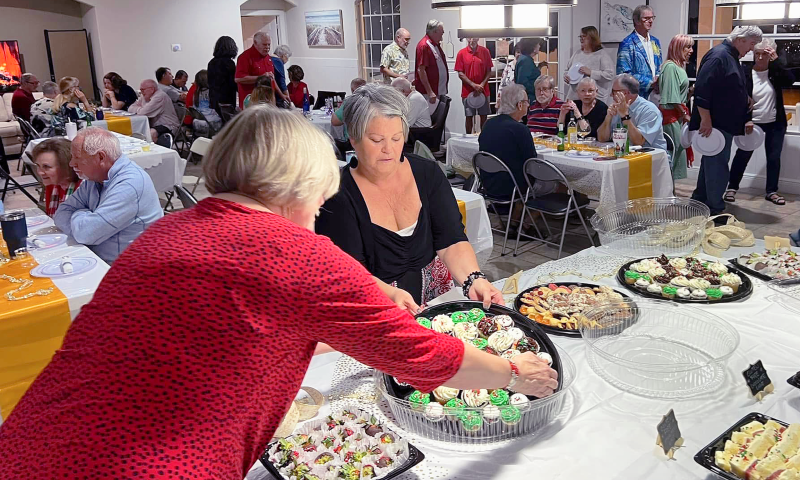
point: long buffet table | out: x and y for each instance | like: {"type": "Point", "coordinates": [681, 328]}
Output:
{"type": "Point", "coordinates": [603, 432]}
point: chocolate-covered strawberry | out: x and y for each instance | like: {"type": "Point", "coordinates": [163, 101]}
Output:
{"type": "Point", "coordinates": [384, 462]}
{"type": "Point", "coordinates": [386, 438]}
{"type": "Point", "coordinates": [324, 458]}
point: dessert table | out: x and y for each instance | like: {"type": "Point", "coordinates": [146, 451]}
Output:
{"type": "Point", "coordinates": [604, 430]}
{"type": "Point", "coordinates": [604, 180]}
{"type": "Point", "coordinates": [164, 165]}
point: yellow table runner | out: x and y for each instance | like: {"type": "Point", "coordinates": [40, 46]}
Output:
{"type": "Point", "coordinates": [640, 175]}
{"type": "Point", "coordinates": [462, 207]}
{"type": "Point", "coordinates": [31, 331]}
{"type": "Point", "coordinates": [119, 124]}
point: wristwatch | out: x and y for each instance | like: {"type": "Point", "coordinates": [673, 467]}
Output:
{"type": "Point", "coordinates": [625, 118]}
{"type": "Point", "coordinates": [514, 375]}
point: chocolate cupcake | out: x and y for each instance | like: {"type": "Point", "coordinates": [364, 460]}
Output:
{"type": "Point", "coordinates": [487, 327]}
{"type": "Point", "coordinates": [527, 344]}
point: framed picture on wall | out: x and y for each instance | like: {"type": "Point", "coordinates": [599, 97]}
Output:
{"type": "Point", "coordinates": [10, 65]}
{"type": "Point", "coordinates": [616, 19]}
{"type": "Point", "coordinates": [324, 29]}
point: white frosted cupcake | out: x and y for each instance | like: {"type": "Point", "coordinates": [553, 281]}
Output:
{"type": "Point", "coordinates": [656, 272]}
{"type": "Point", "coordinates": [516, 333]}
{"type": "Point", "coordinates": [504, 322]}
{"type": "Point", "coordinates": [546, 357]}
{"type": "Point", "coordinates": [699, 284]}
{"type": "Point", "coordinates": [699, 295]}
{"type": "Point", "coordinates": [519, 400]}
{"type": "Point", "coordinates": [500, 341]}
{"type": "Point", "coordinates": [654, 288]}
{"type": "Point", "coordinates": [717, 268]}
{"type": "Point", "coordinates": [491, 414]}
{"type": "Point", "coordinates": [475, 398]}
{"type": "Point", "coordinates": [679, 281]}
{"type": "Point", "coordinates": [465, 331]}
{"type": "Point", "coordinates": [731, 280]}
{"type": "Point", "coordinates": [642, 283]}
{"type": "Point", "coordinates": [511, 353]}
{"type": "Point", "coordinates": [434, 412]}
{"type": "Point", "coordinates": [442, 324]}
{"type": "Point", "coordinates": [726, 290]}
{"type": "Point", "coordinates": [678, 262]}
{"type": "Point", "coordinates": [684, 293]}
{"type": "Point", "coordinates": [445, 394]}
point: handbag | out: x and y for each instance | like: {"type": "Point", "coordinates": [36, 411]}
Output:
{"type": "Point", "coordinates": [733, 234]}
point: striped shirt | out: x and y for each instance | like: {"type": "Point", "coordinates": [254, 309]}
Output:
{"type": "Point", "coordinates": [544, 118]}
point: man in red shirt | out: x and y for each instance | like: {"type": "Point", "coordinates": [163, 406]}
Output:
{"type": "Point", "coordinates": [430, 64]}
{"type": "Point", "coordinates": [22, 99]}
{"type": "Point", "coordinates": [474, 65]}
{"type": "Point", "coordinates": [253, 63]}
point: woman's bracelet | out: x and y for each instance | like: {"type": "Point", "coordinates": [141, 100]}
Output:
{"type": "Point", "coordinates": [469, 281]}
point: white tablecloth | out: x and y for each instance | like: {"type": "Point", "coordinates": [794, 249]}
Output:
{"type": "Point", "coordinates": [605, 433]}
{"type": "Point", "coordinates": [139, 123]}
{"type": "Point", "coordinates": [479, 229]}
{"type": "Point", "coordinates": [603, 180]}
{"type": "Point", "coordinates": [323, 121]}
{"type": "Point", "coordinates": [164, 165]}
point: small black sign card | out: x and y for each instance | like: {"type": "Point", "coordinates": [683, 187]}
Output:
{"type": "Point", "coordinates": [794, 380]}
{"type": "Point", "coordinates": [669, 435]}
{"type": "Point", "coordinates": [758, 381]}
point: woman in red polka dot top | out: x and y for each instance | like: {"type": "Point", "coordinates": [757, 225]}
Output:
{"type": "Point", "coordinates": [196, 341]}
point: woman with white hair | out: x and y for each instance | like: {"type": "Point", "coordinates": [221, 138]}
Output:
{"type": "Point", "coordinates": [396, 213]}
{"type": "Point", "coordinates": [280, 58]}
{"type": "Point", "coordinates": [766, 78]}
{"type": "Point", "coordinates": [587, 110]}
{"type": "Point", "coordinates": [722, 102]}
{"type": "Point", "coordinates": [232, 299]}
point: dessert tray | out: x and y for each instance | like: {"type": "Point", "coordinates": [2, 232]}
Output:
{"type": "Point", "coordinates": [777, 264]}
{"type": "Point", "coordinates": [347, 444]}
{"type": "Point", "coordinates": [558, 308]}
{"type": "Point", "coordinates": [757, 446]}
{"type": "Point", "coordinates": [480, 416]}
{"type": "Point", "coordinates": [684, 280]}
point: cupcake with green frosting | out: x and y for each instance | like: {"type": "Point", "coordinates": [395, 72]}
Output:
{"type": "Point", "coordinates": [455, 407]}
{"type": "Point", "coordinates": [510, 415]}
{"type": "Point", "coordinates": [476, 315]}
{"type": "Point", "coordinates": [631, 277]}
{"type": "Point", "coordinates": [472, 421]}
{"type": "Point", "coordinates": [424, 322]}
{"type": "Point", "coordinates": [714, 294]}
{"type": "Point", "coordinates": [498, 397]}
{"type": "Point", "coordinates": [419, 400]}
{"type": "Point", "coordinates": [459, 317]}
{"type": "Point", "coordinates": [669, 292]}
{"type": "Point", "coordinates": [480, 343]}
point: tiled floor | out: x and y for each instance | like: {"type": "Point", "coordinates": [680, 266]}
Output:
{"type": "Point", "coordinates": [760, 215]}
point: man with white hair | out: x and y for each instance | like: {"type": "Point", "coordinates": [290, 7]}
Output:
{"type": "Point", "coordinates": [394, 58]}
{"type": "Point", "coordinates": [639, 53]}
{"type": "Point", "coordinates": [22, 99]}
{"type": "Point", "coordinates": [41, 110]}
{"type": "Point", "coordinates": [418, 113]}
{"type": "Point", "coordinates": [158, 107]}
{"type": "Point", "coordinates": [115, 202]}
{"type": "Point", "coordinates": [252, 63]}
{"type": "Point", "coordinates": [721, 102]}
{"type": "Point", "coordinates": [430, 64]}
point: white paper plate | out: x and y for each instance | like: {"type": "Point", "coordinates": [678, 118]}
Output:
{"type": "Point", "coordinates": [710, 145]}
{"type": "Point", "coordinates": [476, 101]}
{"type": "Point", "coordinates": [574, 73]}
{"type": "Point", "coordinates": [581, 154]}
{"type": "Point", "coordinates": [52, 269]}
{"type": "Point", "coordinates": [686, 136]}
{"type": "Point", "coordinates": [50, 240]}
{"type": "Point", "coordinates": [752, 141]}
{"type": "Point", "coordinates": [37, 220]}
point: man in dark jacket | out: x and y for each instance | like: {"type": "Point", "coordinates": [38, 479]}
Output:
{"type": "Point", "coordinates": [722, 102]}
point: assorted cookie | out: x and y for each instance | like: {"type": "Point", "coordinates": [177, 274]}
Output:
{"type": "Point", "coordinates": [562, 306]}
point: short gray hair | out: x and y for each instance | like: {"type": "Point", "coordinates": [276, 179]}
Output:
{"type": "Point", "coordinates": [357, 83]}
{"type": "Point", "coordinates": [49, 88]}
{"type": "Point", "coordinates": [433, 25]}
{"type": "Point", "coordinates": [637, 12]}
{"type": "Point", "coordinates": [745, 31]}
{"type": "Point", "coordinates": [402, 84]}
{"type": "Point", "coordinates": [628, 81]}
{"type": "Point", "coordinates": [766, 42]}
{"type": "Point", "coordinates": [589, 80]}
{"type": "Point", "coordinates": [512, 95]}
{"type": "Point", "coordinates": [26, 77]}
{"type": "Point", "coordinates": [260, 36]}
{"type": "Point", "coordinates": [544, 78]}
{"type": "Point", "coordinates": [400, 31]}
{"type": "Point", "coordinates": [282, 50]}
{"type": "Point", "coordinates": [149, 82]}
{"type": "Point", "coordinates": [96, 140]}
{"type": "Point", "coordinates": [371, 101]}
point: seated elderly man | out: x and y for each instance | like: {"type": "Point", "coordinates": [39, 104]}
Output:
{"type": "Point", "coordinates": [337, 119]}
{"type": "Point", "coordinates": [157, 106]}
{"type": "Point", "coordinates": [544, 112]}
{"type": "Point", "coordinates": [42, 109]}
{"type": "Point", "coordinates": [640, 116]}
{"type": "Point", "coordinates": [418, 113]}
{"type": "Point", "coordinates": [116, 201]}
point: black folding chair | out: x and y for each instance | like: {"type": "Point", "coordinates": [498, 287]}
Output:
{"type": "Point", "coordinates": [187, 199]}
{"type": "Point", "coordinates": [198, 115]}
{"type": "Point", "coordinates": [28, 133]}
{"type": "Point", "coordinates": [485, 163]}
{"type": "Point", "coordinates": [553, 204]}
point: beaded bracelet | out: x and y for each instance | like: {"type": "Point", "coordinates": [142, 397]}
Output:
{"type": "Point", "coordinates": [468, 282]}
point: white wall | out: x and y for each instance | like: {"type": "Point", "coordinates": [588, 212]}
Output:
{"type": "Point", "coordinates": [27, 27]}
{"type": "Point", "coordinates": [135, 37]}
{"type": "Point", "coordinates": [324, 68]}
{"type": "Point", "coordinates": [93, 30]}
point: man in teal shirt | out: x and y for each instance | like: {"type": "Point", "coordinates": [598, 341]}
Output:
{"type": "Point", "coordinates": [337, 119]}
{"type": "Point", "coordinates": [526, 71]}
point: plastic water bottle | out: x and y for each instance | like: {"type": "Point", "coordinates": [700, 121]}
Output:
{"type": "Point", "coordinates": [306, 104]}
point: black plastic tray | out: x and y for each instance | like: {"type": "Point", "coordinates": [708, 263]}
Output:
{"type": "Point", "coordinates": [522, 322]}
{"type": "Point", "coordinates": [794, 380]}
{"type": "Point", "coordinates": [415, 456]}
{"type": "Point", "coordinates": [749, 271]}
{"type": "Point", "coordinates": [745, 289]}
{"type": "Point", "coordinates": [705, 457]}
{"type": "Point", "coordinates": [548, 328]}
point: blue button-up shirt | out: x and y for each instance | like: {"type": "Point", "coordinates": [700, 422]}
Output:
{"type": "Point", "coordinates": [648, 119]}
{"type": "Point", "coordinates": [108, 216]}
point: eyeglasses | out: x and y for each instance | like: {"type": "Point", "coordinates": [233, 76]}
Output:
{"type": "Point", "coordinates": [543, 89]}
{"type": "Point", "coordinates": [649, 19]}
{"type": "Point", "coordinates": [582, 36]}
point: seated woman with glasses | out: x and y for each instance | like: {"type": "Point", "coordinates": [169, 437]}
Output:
{"type": "Point", "coordinates": [544, 112]}
{"type": "Point", "coordinates": [588, 111]}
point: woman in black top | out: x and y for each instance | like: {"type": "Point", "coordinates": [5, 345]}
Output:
{"type": "Point", "coordinates": [586, 109]}
{"type": "Point", "coordinates": [221, 72]}
{"type": "Point", "coordinates": [397, 214]}
{"type": "Point", "coordinates": [118, 94]}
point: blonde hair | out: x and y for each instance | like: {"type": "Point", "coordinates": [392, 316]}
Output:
{"type": "Point", "coordinates": [64, 86]}
{"type": "Point", "coordinates": [272, 154]}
